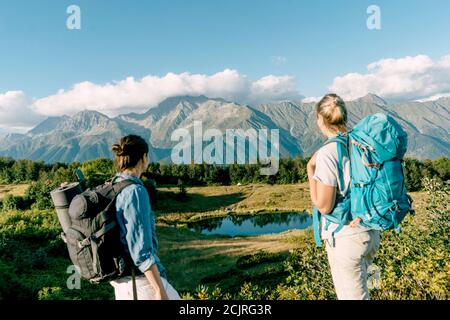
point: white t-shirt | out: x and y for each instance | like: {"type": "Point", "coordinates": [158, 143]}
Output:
{"type": "Point", "coordinates": [327, 173]}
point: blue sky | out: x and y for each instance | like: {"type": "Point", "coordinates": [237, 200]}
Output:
{"type": "Point", "coordinates": [315, 41]}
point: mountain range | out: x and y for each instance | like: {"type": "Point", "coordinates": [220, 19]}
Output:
{"type": "Point", "coordinates": [89, 134]}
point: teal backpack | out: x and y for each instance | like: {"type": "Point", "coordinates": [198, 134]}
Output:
{"type": "Point", "coordinates": [377, 192]}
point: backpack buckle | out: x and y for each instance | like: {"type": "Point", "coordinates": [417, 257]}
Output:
{"type": "Point", "coordinates": [395, 205]}
{"type": "Point", "coordinates": [83, 243]}
{"type": "Point", "coordinates": [63, 237]}
{"type": "Point", "coordinates": [87, 242]}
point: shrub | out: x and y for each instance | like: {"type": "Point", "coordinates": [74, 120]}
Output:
{"type": "Point", "coordinates": [39, 194]}
{"type": "Point", "coordinates": [257, 258]}
{"type": "Point", "coordinates": [309, 275]}
{"type": "Point", "coordinates": [50, 293]}
{"type": "Point", "coordinates": [97, 171]}
{"type": "Point", "coordinates": [39, 259]}
{"type": "Point", "coordinates": [11, 287]}
{"type": "Point", "coordinates": [182, 192]}
{"type": "Point", "coordinates": [414, 264]}
{"type": "Point", "coordinates": [11, 202]}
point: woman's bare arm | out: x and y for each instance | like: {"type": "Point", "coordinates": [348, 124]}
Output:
{"type": "Point", "coordinates": [154, 278]}
{"type": "Point", "coordinates": [326, 196]}
{"type": "Point", "coordinates": [310, 169]}
{"type": "Point", "coordinates": [322, 196]}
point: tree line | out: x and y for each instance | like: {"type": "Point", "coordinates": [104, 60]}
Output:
{"type": "Point", "coordinates": [44, 177]}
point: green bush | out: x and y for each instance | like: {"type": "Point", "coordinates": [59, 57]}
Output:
{"type": "Point", "coordinates": [50, 293]}
{"type": "Point", "coordinates": [39, 194]}
{"type": "Point", "coordinates": [255, 259]}
{"type": "Point", "coordinates": [181, 195]}
{"type": "Point", "coordinates": [309, 274]}
{"type": "Point", "coordinates": [39, 259]}
{"type": "Point", "coordinates": [10, 202]}
{"type": "Point", "coordinates": [97, 171]}
{"type": "Point", "coordinates": [414, 264]}
{"type": "Point", "coordinates": [34, 260]}
{"type": "Point", "coordinates": [11, 287]}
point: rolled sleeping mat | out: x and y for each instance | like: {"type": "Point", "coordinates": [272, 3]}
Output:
{"type": "Point", "coordinates": [61, 198]}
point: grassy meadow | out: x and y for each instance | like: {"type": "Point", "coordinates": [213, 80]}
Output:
{"type": "Point", "coordinates": [277, 266]}
{"type": "Point", "coordinates": [13, 189]}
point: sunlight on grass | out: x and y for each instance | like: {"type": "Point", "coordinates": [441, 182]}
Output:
{"type": "Point", "coordinates": [13, 189]}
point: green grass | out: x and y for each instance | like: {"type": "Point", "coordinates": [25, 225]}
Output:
{"type": "Point", "coordinates": [34, 260]}
{"type": "Point", "coordinates": [13, 189]}
{"type": "Point", "coordinates": [216, 201]}
{"type": "Point", "coordinates": [190, 257]}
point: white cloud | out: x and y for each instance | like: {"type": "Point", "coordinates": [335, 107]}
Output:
{"type": "Point", "coordinates": [311, 99]}
{"type": "Point", "coordinates": [140, 94]}
{"type": "Point", "coordinates": [405, 78]}
{"type": "Point", "coordinates": [272, 88]}
{"type": "Point", "coordinates": [415, 78]}
{"type": "Point", "coordinates": [434, 97]}
{"type": "Point", "coordinates": [15, 112]}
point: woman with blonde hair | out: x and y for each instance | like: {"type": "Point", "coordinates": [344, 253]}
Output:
{"type": "Point", "coordinates": [351, 247]}
{"type": "Point", "coordinates": [137, 227]}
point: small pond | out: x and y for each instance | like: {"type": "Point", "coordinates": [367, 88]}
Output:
{"type": "Point", "coordinates": [242, 225]}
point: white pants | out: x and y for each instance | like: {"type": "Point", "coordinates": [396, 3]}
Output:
{"type": "Point", "coordinates": [349, 260]}
{"type": "Point", "coordinates": [123, 289]}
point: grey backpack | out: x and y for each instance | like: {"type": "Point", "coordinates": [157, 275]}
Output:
{"type": "Point", "coordinates": [93, 239]}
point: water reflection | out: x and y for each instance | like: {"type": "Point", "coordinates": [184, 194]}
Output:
{"type": "Point", "coordinates": [240, 225]}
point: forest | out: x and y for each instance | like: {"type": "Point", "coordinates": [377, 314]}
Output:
{"type": "Point", "coordinates": [45, 177]}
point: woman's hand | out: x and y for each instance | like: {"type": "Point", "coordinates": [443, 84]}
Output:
{"type": "Point", "coordinates": [355, 222]}
{"type": "Point", "coordinates": [155, 280]}
{"type": "Point", "coordinates": [162, 295]}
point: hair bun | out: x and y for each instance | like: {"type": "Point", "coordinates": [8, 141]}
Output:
{"type": "Point", "coordinates": [118, 150]}
{"type": "Point", "coordinates": [129, 150]}
{"type": "Point", "coordinates": [334, 112]}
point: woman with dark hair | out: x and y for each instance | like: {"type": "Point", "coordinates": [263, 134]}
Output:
{"type": "Point", "coordinates": [137, 226]}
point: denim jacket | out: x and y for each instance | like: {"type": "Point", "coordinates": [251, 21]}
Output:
{"type": "Point", "coordinates": [137, 224]}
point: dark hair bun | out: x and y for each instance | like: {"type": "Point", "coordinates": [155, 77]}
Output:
{"type": "Point", "coordinates": [129, 151]}
{"type": "Point", "coordinates": [117, 149]}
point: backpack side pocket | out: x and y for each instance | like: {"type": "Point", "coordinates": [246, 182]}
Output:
{"type": "Point", "coordinates": [80, 252]}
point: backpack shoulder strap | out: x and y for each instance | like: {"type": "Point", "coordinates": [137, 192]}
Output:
{"type": "Point", "coordinates": [316, 227]}
{"type": "Point", "coordinates": [342, 145]}
{"type": "Point", "coordinates": [341, 138]}
{"type": "Point", "coordinates": [119, 186]}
